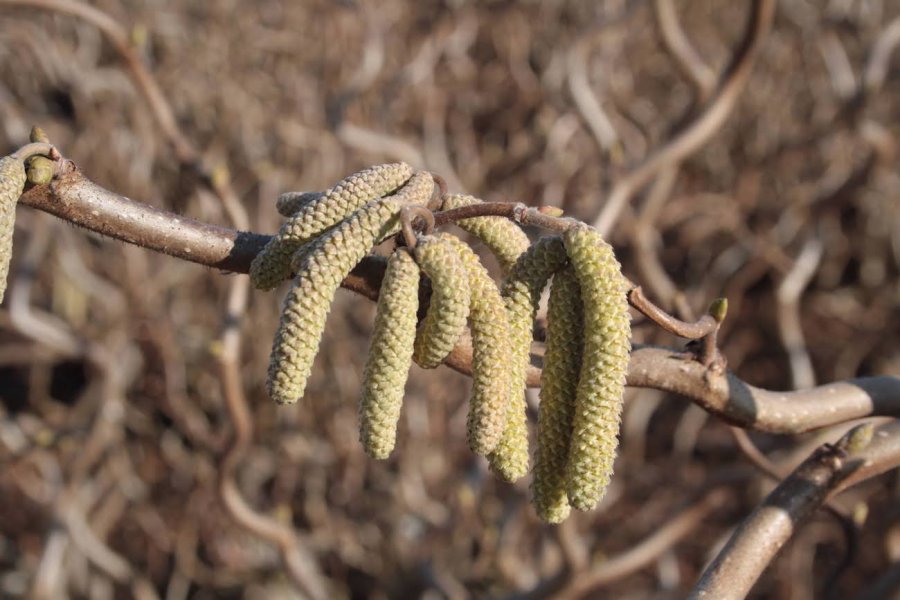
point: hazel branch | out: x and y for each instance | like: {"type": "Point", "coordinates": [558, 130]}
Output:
{"type": "Point", "coordinates": [861, 454]}
{"type": "Point", "coordinates": [74, 198]}
{"type": "Point", "coordinates": [545, 217]}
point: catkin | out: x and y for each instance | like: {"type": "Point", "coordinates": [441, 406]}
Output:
{"type": "Point", "coordinates": [390, 353]}
{"type": "Point", "coordinates": [272, 265]}
{"type": "Point", "coordinates": [601, 382]}
{"type": "Point", "coordinates": [448, 310]}
{"type": "Point", "coordinates": [491, 360]}
{"type": "Point", "coordinates": [559, 379]}
{"type": "Point", "coordinates": [12, 182]}
{"type": "Point", "coordinates": [503, 237]}
{"type": "Point", "coordinates": [331, 257]}
{"type": "Point", "coordinates": [521, 293]}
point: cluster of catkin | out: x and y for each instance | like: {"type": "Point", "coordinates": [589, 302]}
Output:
{"type": "Point", "coordinates": [588, 336]}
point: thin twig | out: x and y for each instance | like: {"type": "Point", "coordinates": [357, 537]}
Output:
{"type": "Point", "coordinates": [754, 455]}
{"type": "Point", "coordinates": [185, 151]}
{"type": "Point", "coordinates": [645, 239]}
{"type": "Point", "coordinates": [520, 213]}
{"type": "Point", "coordinates": [789, 317]}
{"type": "Point", "coordinates": [679, 47]}
{"type": "Point", "coordinates": [588, 105]}
{"type": "Point", "coordinates": [690, 139]}
{"type": "Point", "coordinates": [408, 215]}
{"type": "Point", "coordinates": [692, 331]}
{"type": "Point", "coordinates": [298, 561]}
{"type": "Point", "coordinates": [647, 550]}
{"type": "Point", "coordinates": [880, 57]}
{"type": "Point", "coordinates": [35, 149]}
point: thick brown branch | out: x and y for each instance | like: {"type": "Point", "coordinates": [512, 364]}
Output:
{"type": "Point", "coordinates": [736, 402]}
{"type": "Point", "coordinates": [759, 538]}
{"type": "Point", "coordinates": [76, 199]}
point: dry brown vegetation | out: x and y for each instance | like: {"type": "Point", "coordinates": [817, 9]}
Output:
{"type": "Point", "coordinates": [120, 475]}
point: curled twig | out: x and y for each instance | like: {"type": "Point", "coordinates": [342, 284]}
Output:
{"type": "Point", "coordinates": [408, 215]}
{"type": "Point", "coordinates": [692, 331]}
{"type": "Point", "coordinates": [679, 47]}
{"type": "Point", "coordinates": [690, 139]}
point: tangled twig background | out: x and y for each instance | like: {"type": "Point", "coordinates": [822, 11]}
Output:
{"type": "Point", "coordinates": [750, 153]}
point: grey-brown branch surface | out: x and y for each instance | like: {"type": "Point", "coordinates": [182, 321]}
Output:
{"type": "Point", "coordinates": [864, 452]}
{"type": "Point", "coordinates": [76, 199]}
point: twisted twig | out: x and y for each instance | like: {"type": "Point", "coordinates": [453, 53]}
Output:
{"type": "Point", "coordinates": [690, 139]}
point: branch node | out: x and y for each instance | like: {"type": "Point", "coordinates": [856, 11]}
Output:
{"type": "Point", "coordinates": [408, 216]}
{"type": "Point", "coordinates": [518, 213]}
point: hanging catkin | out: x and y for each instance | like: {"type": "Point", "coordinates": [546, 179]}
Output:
{"type": "Point", "coordinates": [390, 353]}
{"type": "Point", "coordinates": [12, 182]}
{"type": "Point", "coordinates": [272, 265]}
{"type": "Point", "coordinates": [504, 238]}
{"type": "Point", "coordinates": [601, 382]}
{"type": "Point", "coordinates": [326, 261]}
{"type": "Point", "coordinates": [559, 379]}
{"type": "Point", "coordinates": [448, 310]}
{"type": "Point", "coordinates": [491, 359]}
{"type": "Point", "coordinates": [306, 306]}
{"type": "Point", "coordinates": [521, 292]}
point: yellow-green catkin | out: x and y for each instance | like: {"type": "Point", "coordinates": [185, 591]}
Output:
{"type": "Point", "coordinates": [503, 237]}
{"type": "Point", "coordinates": [601, 383]}
{"type": "Point", "coordinates": [559, 380]}
{"type": "Point", "coordinates": [491, 359]}
{"type": "Point", "coordinates": [521, 293]}
{"type": "Point", "coordinates": [328, 261]}
{"type": "Point", "coordinates": [448, 309]}
{"type": "Point", "coordinates": [417, 190]}
{"type": "Point", "coordinates": [390, 355]}
{"type": "Point", "coordinates": [12, 182]}
{"type": "Point", "coordinates": [272, 265]}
